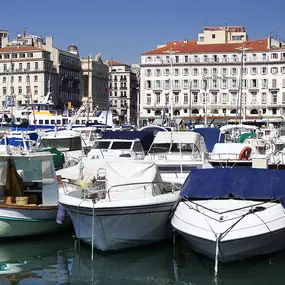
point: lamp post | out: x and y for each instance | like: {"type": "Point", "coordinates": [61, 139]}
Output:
{"type": "Point", "coordinates": [242, 49]}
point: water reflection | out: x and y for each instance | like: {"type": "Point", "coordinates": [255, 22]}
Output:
{"type": "Point", "coordinates": [53, 260]}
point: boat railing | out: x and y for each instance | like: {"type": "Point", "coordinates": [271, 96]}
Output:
{"type": "Point", "coordinates": [98, 191]}
{"type": "Point", "coordinates": [223, 156]}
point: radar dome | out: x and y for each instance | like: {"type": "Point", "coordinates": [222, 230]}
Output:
{"type": "Point", "coordinates": [73, 49]}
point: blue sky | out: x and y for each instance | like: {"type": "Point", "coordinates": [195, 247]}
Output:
{"type": "Point", "coordinates": [123, 29]}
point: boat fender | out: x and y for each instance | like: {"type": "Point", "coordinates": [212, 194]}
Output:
{"type": "Point", "coordinates": [245, 153]}
{"type": "Point", "coordinates": [81, 165]}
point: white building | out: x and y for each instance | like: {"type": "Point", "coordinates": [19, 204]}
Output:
{"type": "Point", "coordinates": [29, 68]}
{"type": "Point", "coordinates": [123, 85]}
{"type": "Point", "coordinates": [24, 73]}
{"type": "Point", "coordinates": [4, 38]}
{"type": "Point", "coordinates": [191, 79]}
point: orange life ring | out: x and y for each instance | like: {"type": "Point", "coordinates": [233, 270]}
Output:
{"type": "Point", "coordinates": [245, 153]}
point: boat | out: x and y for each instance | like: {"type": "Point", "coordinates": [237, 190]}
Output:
{"type": "Point", "coordinates": [128, 205]}
{"type": "Point", "coordinates": [230, 214]}
{"type": "Point", "coordinates": [29, 195]}
{"type": "Point", "coordinates": [176, 153]}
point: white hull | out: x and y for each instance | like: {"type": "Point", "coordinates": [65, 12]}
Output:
{"type": "Point", "coordinates": [19, 222]}
{"type": "Point", "coordinates": [122, 225]}
{"type": "Point", "coordinates": [244, 229]}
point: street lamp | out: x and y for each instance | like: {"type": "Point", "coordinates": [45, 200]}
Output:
{"type": "Point", "coordinates": [242, 49]}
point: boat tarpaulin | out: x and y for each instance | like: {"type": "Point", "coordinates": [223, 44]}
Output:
{"type": "Point", "coordinates": [246, 183]}
{"type": "Point", "coordinates": [211, 136]}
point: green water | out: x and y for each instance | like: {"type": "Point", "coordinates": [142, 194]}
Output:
{"type": "Point", "coordinates": [55, 260]}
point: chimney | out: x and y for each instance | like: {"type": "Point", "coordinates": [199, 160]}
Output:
{"type": "Point", "coordinates": [40, 43]}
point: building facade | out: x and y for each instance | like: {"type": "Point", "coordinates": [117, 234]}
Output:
{"type": "Point", "coordinates": [123, 83]}
{"type": "Point", "coordinates": [31, 68]}
{"type": "Point", "coordinates": [222, 74]}
{"type": "Point", "coordinates": [94, 82]}
{"type": "Point", "coordinates": [24, 74]}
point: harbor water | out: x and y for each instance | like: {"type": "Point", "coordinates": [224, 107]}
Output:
{"type": "Point", "coordinates": [63, 260]}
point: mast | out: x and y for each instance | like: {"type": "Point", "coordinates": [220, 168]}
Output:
{"type": "Point", "coordinates": [89, 80]}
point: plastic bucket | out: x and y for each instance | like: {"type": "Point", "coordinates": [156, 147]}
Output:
{"type": "Point", "coordinates": [22, 200]}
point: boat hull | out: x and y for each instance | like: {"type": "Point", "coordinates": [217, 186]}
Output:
{"type": "Point", "coordinates": [243, 228]}
{"type": "Point", "coordinates": [122, 227]}
{"type": "Point", "coordinates": [20, 222]}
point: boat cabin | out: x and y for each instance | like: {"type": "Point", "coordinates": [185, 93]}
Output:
{"type": "Point", "coordinates": [31, 175]}
{"type": "Point", "coordinates": [117, 148]}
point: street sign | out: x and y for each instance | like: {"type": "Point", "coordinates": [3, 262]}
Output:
{"type": "Point", "coordinates": [9, 101]}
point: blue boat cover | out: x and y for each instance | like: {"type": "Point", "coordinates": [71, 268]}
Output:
{"type": "Point", "coordinates": [146, 137]}
{"type": "Point", "coordinates": [211, 136]}
{"type": "Point", "coordinates": [247, 183]}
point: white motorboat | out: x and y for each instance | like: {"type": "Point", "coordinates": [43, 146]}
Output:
{"type": "Point", "coordinates": [176, 153]}
{"type": "Point", "coordinates": [232, 213]}
{"type": "Point", "coordinates": [29, 195]}
{"type": "Point", "coordinates": [128, 207]}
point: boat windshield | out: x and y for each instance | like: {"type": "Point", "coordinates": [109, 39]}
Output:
{"type": "Point", "coordinates": [62, 144]}
{"type": "Point", "coordinates": [121, 145]}
{"type": "Point", "coordinates": [101, 145]}
{"type": "Point", "coordinates": [160, 147]}
{"type": "Point", "coordinates": [184, 147]}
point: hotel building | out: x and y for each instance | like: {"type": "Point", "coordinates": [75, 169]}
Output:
{"type": "Point", "coordinates": [123, 92]}
{"type": "Point", "coordinates": [222, 74]}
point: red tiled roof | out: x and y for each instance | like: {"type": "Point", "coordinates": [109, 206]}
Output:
{"type": "Point", "coordinates": [113, 63]}
{"type": "Point", "coordinates": [193, 47]}
{"type": "Point", "coordinates": [19, 49]}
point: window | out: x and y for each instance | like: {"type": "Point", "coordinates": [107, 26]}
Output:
{"type": "Point", "coordinates": [166, 72]}
{"type": "Point", "coordinates": [36, 90]}
{"type": "Point", "coordinates": [283, 69]}
{"type": "Point", "coordinates": [157, 84]}
{"type": "Point", "coordinates": [157, 98]}
{"type": "Point", "coordinates": [4, 79]}
{"type": "Point", "coordinates": [28, 66]}
{"type": "Point", "coordinates": [166, 98]}
{"type": "Point", "coordinates": [185, 101]}
{"type": "Point", "coordinates": [274, 70]}
{"type": "Point", "coordinates": [4, 90]}
{"type": "Point", "coordinates": [195, 71]}
{"type": "Point", "coordinates": [214, 71]}
{"type": "Point", "coordinates": [176, 84]}
{"type": "Point", "coordinates": [283, 98]}
{"type": "Point", "coordinates": [36, 65]}
{"type": "Point", "coordinates": [148, 84]}
{"type": "Point", "coordinates": [201, 39]}
{"type": "Point", "coordinates": [224, 98]}
{"type": "Point", "coordinates": [20, 90]}
{"type": "Point", "coordinates": [224, 71]}
{"type": "Point", "coordinates": [5, 67]}
{"type": "Point", "coordinates": [176, 58]}
{"type": "Point", "coordinates": [20, 66]}
{"type": "Point", "coordinates": [213, 36]}
{"type": "Point", "coordinates": [195, 97]}
{"type": "Point", "coordinates": [274, 55]}
{"type": "Point", "coordinates": [264, 70]}
{"type": "Point", "coordinates": [234, 71]}
{"type": "Point", "coordinates": [176, 71]}
{"type": "Point", "coordinates": [148, 99]}
{"type": "Point", "coordinates": [253, 98]}
{"type": "Point", "coordinates": [167, 84]}
{"type": "Point", "coordinates": [36, 78]}
{"type": "Point", "coordinates": [254, 70]}
{"type": "Point", "coordinates": [205, 58]}
{"type": "Point", "coordinates": [157, 72]}
{"type": "Point", "coordinates": [176, 97]}
{"type": "Point", "coordinates": [185, 84]}
{"type": "Point", "coordinates": [205, 71]}
{"type": "Point", "coordinates": [148, 72]}
{"type": "Point", "coordinates": [263, 98]}
{"type": "Point", "coordinates": [186, 71]}
{"type": "Point", "coordinates": [264, 83]}
{"type": "Point", "coordinates": [186, 58]}
{"type": "Point", "coordinates": [274, 83]}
